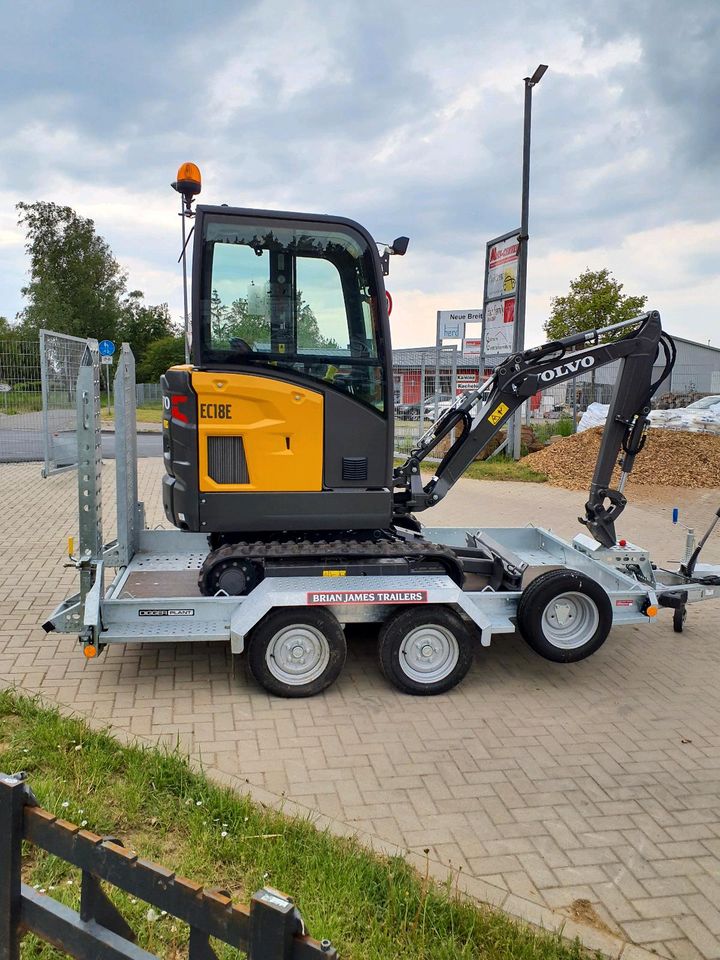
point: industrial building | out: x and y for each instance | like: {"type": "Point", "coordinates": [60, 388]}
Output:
{"type": "Point", "coordinates": [696, 371]}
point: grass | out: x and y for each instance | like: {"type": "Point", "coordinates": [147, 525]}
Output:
{"type": "Point", "coordinates": [147, 413]}
{"type": "Point", "coordinates": [563, 427]}
{"type": "Point", "coordinates": [372, 907]}
{"type": "Point", "coordinates": [499, 468]}
{"type": "Point", "coordinates": [20, 401]}
{"type": "Point", "coordinates": [504, 468]}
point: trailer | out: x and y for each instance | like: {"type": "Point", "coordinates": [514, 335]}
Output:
{"type": "Point", "coordinates": [562, 596]}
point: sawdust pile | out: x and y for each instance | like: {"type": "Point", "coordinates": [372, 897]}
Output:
{"type": "Point", "coordinates": [669, 458]}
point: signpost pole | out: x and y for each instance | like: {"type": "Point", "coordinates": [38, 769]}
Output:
{"type": "Point", "coordinates": [438, 346]}
{"type": "Point", "coordinates": [519, 331]}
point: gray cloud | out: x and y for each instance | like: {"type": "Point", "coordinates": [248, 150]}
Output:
{"type": "Point", "coordinates": [407, 117]}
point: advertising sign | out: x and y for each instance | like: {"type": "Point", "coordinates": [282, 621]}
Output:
{"type": "Point", "coordinates": [501, 279]}
{"type": "Point", "coordinates": [502, 268]}
{"type": "Point", "coordinates": [499, 326]}
{"type": "Point", "coordinates": [473, 346]}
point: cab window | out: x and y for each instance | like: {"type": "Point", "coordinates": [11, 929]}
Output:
{"type": "Point", "coordinates": [292, 296]}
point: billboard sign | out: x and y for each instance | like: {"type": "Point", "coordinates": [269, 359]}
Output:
{"type": "Point", "coordinates": [501, 280]}
{"type": "Point", "coordinates": [502, 268]}
{"type": "Point", "coordinates": [499, 326]}
{"type": "Point", "coordinates": [473, 346]}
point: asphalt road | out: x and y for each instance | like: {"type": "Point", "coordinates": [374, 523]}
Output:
{"type": "Point", "coordinates": [19, 446]}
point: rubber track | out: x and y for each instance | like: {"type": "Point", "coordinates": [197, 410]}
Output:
{"type": "Point", "coordinates": [333, 552]}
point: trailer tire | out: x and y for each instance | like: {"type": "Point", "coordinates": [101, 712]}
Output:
{"type": "Point", "coordinates": [294, 652]}
{"type": "Point", "coordinates": [679, 618]}
{"type": "Point", "coordinates": [564, 616]}
{"type": "Point", "coordinates": [425, 650]}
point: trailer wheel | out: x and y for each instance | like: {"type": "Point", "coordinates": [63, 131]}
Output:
{"type": "Point", "coordinates": [425, 650]}
{"type": "Point", "coordinates": [679, 618]}
{"type": "Point", "coordinates": [295, 652]}
{"type": "Point", "coordinates": [564, 616]}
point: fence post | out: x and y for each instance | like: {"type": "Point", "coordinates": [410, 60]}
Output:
{"type": "Point", "coordinates": [12, 803]}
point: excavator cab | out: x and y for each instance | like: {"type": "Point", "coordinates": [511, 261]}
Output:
{"type": "Point", "coordinates": [283, 420]}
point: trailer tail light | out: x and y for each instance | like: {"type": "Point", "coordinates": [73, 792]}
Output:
{"type": "Point", "coordinates": [175, 401]}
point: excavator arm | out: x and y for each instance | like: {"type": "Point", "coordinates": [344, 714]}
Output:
{"type": "Point", "coordinates": [480, 413]}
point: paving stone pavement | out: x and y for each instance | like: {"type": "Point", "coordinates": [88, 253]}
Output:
{"type": "Point", "coordinates": [543, 784]}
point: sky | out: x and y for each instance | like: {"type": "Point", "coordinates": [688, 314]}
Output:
{"type": "Point", "coordinates": [404, 116]}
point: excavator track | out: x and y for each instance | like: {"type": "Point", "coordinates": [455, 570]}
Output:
{"type": "Point", "coordinates": [236, 568]}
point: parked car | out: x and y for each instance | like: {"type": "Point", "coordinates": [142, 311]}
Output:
{"type": "Point", "coordinates": [444, 402]}
{"type": "Point", "coordinates": [407, 411]}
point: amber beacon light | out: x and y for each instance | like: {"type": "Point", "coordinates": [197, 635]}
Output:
{"type": "Point", "coordinates": [189, 181]}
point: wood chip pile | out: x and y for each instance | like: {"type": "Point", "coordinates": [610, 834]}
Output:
{"type": "Point", "coordinates": [669, 458]}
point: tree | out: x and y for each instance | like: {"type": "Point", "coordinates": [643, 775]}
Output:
{"type": "Point", "coordinates": [236, 320]}
{"type": "Point", "coordinates": [158, 357]}
{"type": "Point", "coordinates": [141, 324]}
{"type": "Point", "coordinates": [76, 285]}
{"type": "Point", "coordinates": [12, 354]}
{"type": "Point", "coordinates": [595, 300]}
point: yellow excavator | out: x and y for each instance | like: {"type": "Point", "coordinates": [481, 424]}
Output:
{"type": "Point", "coordinates": [278, 434]}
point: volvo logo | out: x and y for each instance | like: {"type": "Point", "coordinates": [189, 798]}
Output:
{"type": "Point", "coordinates": [572, 366]}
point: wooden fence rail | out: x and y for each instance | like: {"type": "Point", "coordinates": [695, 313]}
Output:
{"type": "Point", "coordinates": [271, 928]}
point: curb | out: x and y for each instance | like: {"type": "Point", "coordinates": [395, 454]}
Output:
{"type": "Point", "coordinates": [472, 888]}
{"type": "Point", "coordinates": [108, 426]}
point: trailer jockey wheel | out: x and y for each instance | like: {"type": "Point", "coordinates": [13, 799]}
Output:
{"type": "Point", "coordinates": [425, 650]}
{"type": "Point", "coordinates": [564, 616]}
{"type": "Point", "coordinates": [679, 618]}
{"type": "Point", "coordinates": [295, 652]}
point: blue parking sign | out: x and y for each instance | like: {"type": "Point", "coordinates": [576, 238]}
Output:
{"type": "Point", "coordinates": [106, 348]}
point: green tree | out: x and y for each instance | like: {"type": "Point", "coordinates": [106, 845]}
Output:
{"type": "Point", "coordinates": [12, 353]}
{"type": "Point", "coordinates": [141, 324]}
{"type": "Point", "coordinates": [236, 320]}
{"type": "Point", "coordinates": [76, 284]}
{"type": "Point", "coordinates": [595, 300]}
{"type": "Point", "coordinates": [158, 357]}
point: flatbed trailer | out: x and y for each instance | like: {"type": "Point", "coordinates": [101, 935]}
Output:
{"type": "Point", "coordinates": [567, 595]}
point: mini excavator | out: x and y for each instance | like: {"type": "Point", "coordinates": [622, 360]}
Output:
{"type": "Point", "coordinates": [278, 435]}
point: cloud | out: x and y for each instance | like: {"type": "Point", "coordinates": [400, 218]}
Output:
{"type": "Point", "coordinates": [405, 117]}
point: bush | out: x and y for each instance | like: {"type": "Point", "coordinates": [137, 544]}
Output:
{"type": "Point", "coordinates": [160, 355]}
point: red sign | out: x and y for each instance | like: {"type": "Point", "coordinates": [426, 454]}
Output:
{"type": "Point", "coordinates": [500, 255]}
{"type": "Point", "coordinates": [366, 596]}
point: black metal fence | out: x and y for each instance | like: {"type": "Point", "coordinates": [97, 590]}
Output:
{"type": "Point", "coordinates": [271, 928]}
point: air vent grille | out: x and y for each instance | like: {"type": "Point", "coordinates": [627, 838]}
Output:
{"type": "Point", "coordinates": [354, 468]}
{"type": "Point", "coordinates": [226, 460]}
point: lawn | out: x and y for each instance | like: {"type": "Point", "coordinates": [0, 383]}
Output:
{"type": "Point", "coordinates": [147, 413]}
{"type": "Point", "coordinates": [372, 907]}
{"type": "Point", "coordinates": [499, 468]}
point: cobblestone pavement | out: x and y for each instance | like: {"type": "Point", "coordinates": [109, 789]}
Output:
{"type": "Point", "coordinates": [544, 784]}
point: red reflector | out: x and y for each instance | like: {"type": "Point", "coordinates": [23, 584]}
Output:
{"type": "Point", "coordinates": [622, 543]}
{"type": "Point", "coordinates": [175, 400]}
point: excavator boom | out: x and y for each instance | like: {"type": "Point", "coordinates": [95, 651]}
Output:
{"type": "Point", "coordinates": [482, 412]}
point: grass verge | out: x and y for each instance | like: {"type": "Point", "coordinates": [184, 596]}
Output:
{"type": "Point", "coordinates": [372, 907]}
{"type": "Point", "coordinates": [147, 413]}
{"type": "Point", "coordinates": [499, 468]}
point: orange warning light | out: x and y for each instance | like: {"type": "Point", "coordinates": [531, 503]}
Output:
{"type": "Point", "coordinates": [90, 651]}
{"type": "Point", "coordinates": [189, 181]}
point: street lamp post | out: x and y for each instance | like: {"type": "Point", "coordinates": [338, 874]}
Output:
{"type": "Point", "coordinates": [519, 332]}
